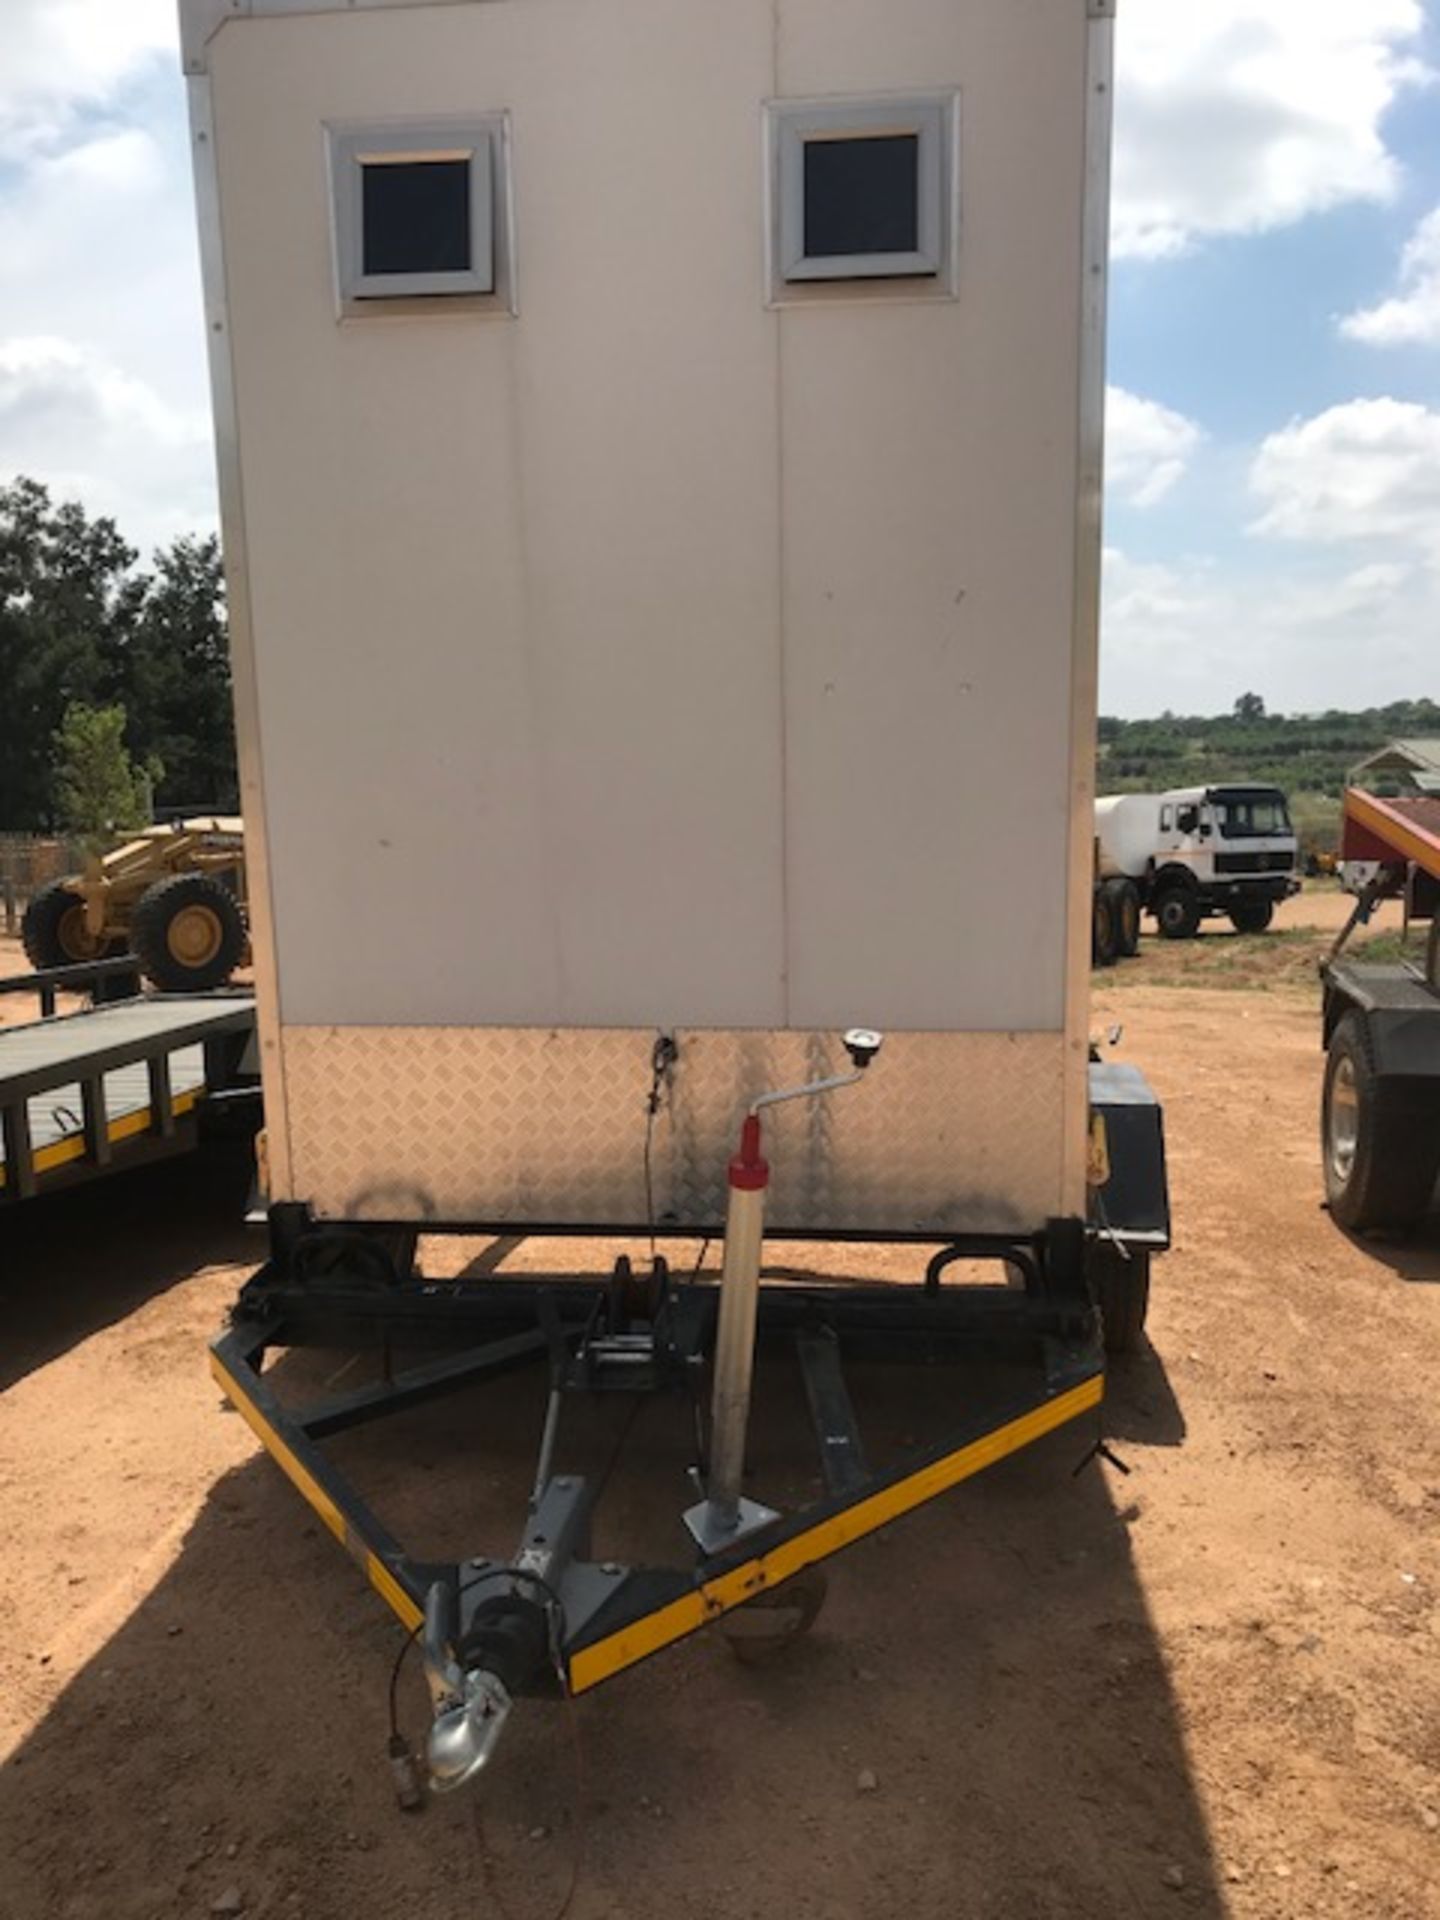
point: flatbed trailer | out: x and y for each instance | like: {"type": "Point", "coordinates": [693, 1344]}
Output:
{"type": "Point", "coordinates": [110, 1086]}
{"type": "Point", "coordinates": [1380, 1024]}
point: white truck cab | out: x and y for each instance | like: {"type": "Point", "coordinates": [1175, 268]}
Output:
{"type": "Point", "coordinates": [1196, 852]}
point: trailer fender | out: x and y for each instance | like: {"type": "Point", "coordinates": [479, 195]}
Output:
{"type": "Point", "coordinates": [1402, 1018]}
{"type": "Point", "coordinates": [1129, 1190]}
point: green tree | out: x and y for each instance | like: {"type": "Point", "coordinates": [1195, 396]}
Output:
{"type": "Point", "coordinates": [67, 605]}
{"type": "Point", "coordinates": [99, 789]}
{"type": "Point", "coordinates": [1249, 707]}
{"type": "Point", "coordinates": [179, 678]}
{"type": "Point", "coordinates": [79, 622]}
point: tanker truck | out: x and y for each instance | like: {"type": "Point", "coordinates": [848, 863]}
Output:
{"type": "Point", "coordinates": [1189, 855]}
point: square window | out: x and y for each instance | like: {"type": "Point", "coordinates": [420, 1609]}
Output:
{"type": "Point", "coordinates": [862, 196]}
{"type": "Point", "coordinates": [421, 212]}
{"type": "Point", "coordinates": [863, 190]}
{"type": "Point", "coordinates": [415, 216]}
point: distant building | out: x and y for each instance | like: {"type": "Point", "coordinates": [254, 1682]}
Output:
{"type": "Point", "coordinates": [1404, 766]}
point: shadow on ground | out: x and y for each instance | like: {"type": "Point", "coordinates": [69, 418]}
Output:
{"type": "Point", "coordinates": [989, 1661]}
{"type": "Point", "coordinates": [1414, 1257]}
{"type": "Point", "coordinates": [76, 1261]}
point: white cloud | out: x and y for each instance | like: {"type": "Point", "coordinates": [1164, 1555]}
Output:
{"type": "Point", "coordinates": [101, 326]}
{"type": "Point", "coordinates": [1366, 470]}
{"type": "Point", "coordinates": [97, 434]}
{"type": "Point", "coordinates": [1147, 447]}
{"type": "Point", "coordinates": [1412, 315]}
{"type": "Point", "coordinates": [1190, 635]}
{"type": "Point", "coordinates": [62, 55]}
{"type": "Point", "coordinates": [1247, 115]}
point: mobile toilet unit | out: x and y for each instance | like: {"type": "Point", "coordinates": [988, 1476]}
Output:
{"type": "Point", "coordinates": [661, 463]}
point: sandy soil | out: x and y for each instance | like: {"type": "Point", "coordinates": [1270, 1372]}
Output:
{"type": "Point", "coordinates": [1209, 1686]}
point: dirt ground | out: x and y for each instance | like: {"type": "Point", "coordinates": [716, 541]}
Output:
{"type": "Point", "coordinates": [1210, 1685]}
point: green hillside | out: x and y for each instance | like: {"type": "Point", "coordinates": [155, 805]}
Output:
{"type": "Point", "coordinates": [1308, 755]}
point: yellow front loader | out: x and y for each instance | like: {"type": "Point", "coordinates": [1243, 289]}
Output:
{"type": "Point", "coordinates": [174, 896]}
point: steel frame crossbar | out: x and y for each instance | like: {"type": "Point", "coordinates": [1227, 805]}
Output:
{"type": "Point", "coordinates": [609, 1616]}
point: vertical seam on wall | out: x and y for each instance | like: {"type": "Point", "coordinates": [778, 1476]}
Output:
{"type": "Point", "coordinates": [771, 214]}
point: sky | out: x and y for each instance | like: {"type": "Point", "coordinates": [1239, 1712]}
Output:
{"type": "Point", "coordinates": [1273, 426]}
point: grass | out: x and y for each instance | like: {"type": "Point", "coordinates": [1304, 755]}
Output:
{"type": "Point", "coordinates": [1277, 961]}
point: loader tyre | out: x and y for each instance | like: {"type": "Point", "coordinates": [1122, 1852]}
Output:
{"type": "Point", "coordinates": [1380, 1146]}
{"type": "Point", "coordinates": [1177, 911]}
{"type": "Point", "coordinates": [1252, 916]}
{"type": "Point", "coordinates": [1127, 918]}
{"type": "Point", "coordinates": [1121, 1290]}
{"type": "Point", "coordinates": [1103, 931]}
{"type": "Point", "coordinates": [53, 930]}
{"type": "Point", "coordinates": [187, 933]}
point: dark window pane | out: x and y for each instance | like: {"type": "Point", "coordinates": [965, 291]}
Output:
{"type": "Point", "coordinates": [417, 216]}
{"type": "Point", "coordinates": [862, 196]}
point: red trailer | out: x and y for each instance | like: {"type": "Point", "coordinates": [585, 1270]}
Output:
{"type": "Point", "coordinates": [1380, 1117]}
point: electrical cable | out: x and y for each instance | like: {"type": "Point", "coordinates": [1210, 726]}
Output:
{"type": "Point", "coordinates": [663, 1056]}
{"type": "Point", "coordinates": [555, 1620]}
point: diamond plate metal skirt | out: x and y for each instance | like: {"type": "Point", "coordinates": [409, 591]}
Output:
{"type": "Point", "coordinates": [521, 1127]}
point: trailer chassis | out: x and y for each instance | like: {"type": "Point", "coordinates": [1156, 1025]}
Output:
{"type": "Point", "coordinates": [546, 1618]}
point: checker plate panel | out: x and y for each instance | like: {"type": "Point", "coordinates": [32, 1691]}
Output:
{"type": "Point", "coordinates": [947, 1133]}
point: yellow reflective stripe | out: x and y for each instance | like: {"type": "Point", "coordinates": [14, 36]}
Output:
{"type": "Point", "coordinates": [672, 1622]}
{"type": "Point", "coordinates": [378, 1574]}
{"type": "Point", "coordinates": [61, 1152]}
{"type": "Point", "coordinates": [392, 1593]}
{"type": "Point", "coordinates": [308, 1486]}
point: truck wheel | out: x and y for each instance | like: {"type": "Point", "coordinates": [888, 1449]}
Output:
{"type": "Point", "coordinates": [1127, 918]}
{"type": "Point", "coordinates": [1381, 1155]}
{"type": "Point", "coordinates": [1432, 956]}
{"type": "Point", "coordinates": [1177, 912]}
{"type": "Point", "coordinates": [1103, 932]}
{"type": "Point", "coordinates": [1252, 916]}
{"type": "Point", "coordinates": [1121, 1289]}
{"type": "Point", "coordinates": [187, 933]}
{"type": "Point", "coordinates": [53, 930]}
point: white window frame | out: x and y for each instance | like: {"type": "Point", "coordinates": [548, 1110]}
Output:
{"type": "Point", "coordinates": [932, 119]}
{"type": "Point", "coordinates": [482, 141]}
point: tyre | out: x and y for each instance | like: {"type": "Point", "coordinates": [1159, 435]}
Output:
{"type": "Point", "coordinates": [1121, 1290]}
{"type": "Point", "coordinates": [1380, 1147]}
{"type": "Point", "coordinates": [53, 930]}
{"type": "Point", "coordinates": [187, 933]}
{"type": "Point", "coordinates": [1177, 912]}
{"type": "Point", "coordinates": [1252, 916]}
{"type": "Point", "coordinates": [1432, 956]}
{"type": "Point", "coordinates": [1127, 918]}
{"type": "Point", "coordinates": [1102, 929]}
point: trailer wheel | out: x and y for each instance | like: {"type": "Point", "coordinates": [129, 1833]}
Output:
{"type": "Point", "coordinates": [1121, 1289]}
{"type": "Point", "coordinates": [1127, 918]}
{"type": "Point", "coordinates": [187, 933]}
{"type": "Point", "coordinates": [1252, 916]}
{"type": "Point", "coordinates": [1103, 931]}
{"type": "Point", "coordinates": [53, 930]}
{"type": "Point", "coordinates": [1177, 912]}
{"type": "Point", "coordinates": [1381, 1155]}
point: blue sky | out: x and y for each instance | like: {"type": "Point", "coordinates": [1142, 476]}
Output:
{"type": "Point", "coordinates": [1273, 506]}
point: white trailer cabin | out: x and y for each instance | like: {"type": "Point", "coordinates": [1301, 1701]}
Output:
{"type": "Point", "coordinates": [660, 453]}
